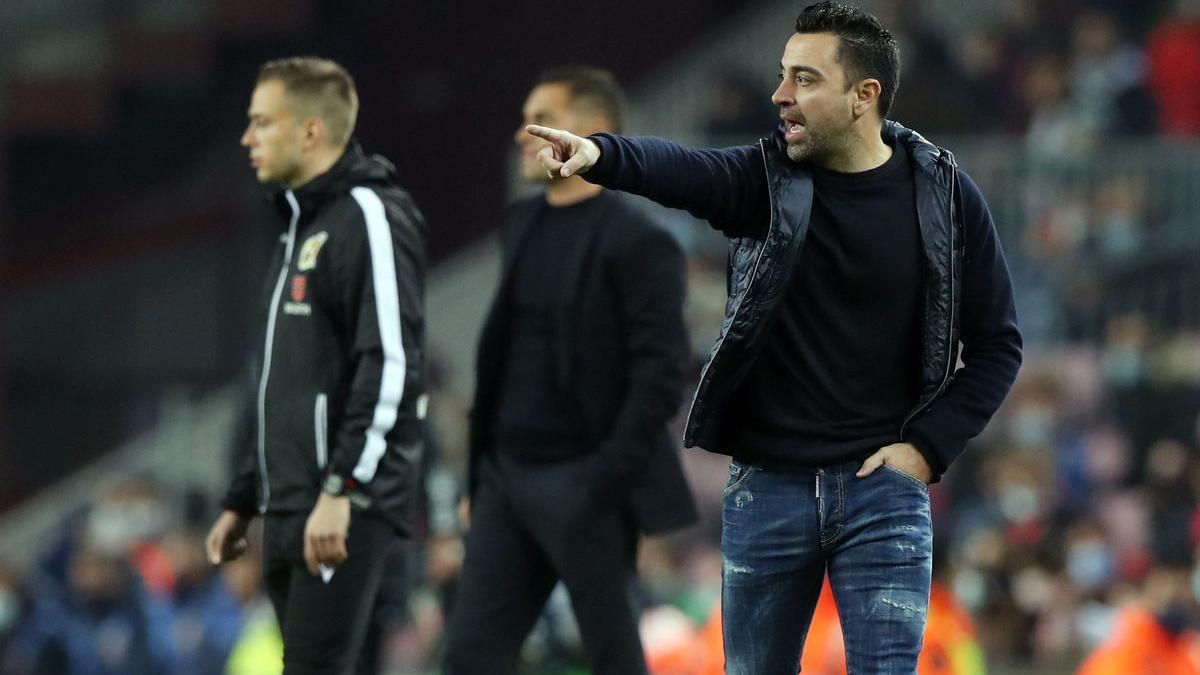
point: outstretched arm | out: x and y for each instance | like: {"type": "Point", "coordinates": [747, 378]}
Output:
{"type": "Point", "coordinates": [727, 187]}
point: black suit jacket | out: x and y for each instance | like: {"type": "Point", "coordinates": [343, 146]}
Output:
{"type": "Point", "coordinates": [620, 357]}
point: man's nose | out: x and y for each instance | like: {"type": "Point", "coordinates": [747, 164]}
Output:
{"type": "Point", "coordinates": [784, 94]}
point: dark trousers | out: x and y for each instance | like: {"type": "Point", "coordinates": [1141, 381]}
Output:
{"type": "Point", "coordinates": [323, 624]}
{"type": "Point", "coordinates": [526, 535]}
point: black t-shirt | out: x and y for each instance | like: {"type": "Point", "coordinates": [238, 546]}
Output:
{"type": "Point", "coordinates": [840, 366]}
{"type": "Point", "coordinates": [534, 417]}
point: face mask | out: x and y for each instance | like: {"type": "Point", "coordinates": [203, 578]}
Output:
{"type": "Point", "coordinates": [116, 527]}
{"type": "Point", "coordinates": [1032, 427]}
{"type": "Point", "coordinates": [1018, 502]}
{"type": "Point", "coordinates": [1119, 235]}
{"type": "Point", "coordinates": [1196, 584]}
{"type": "Point", "coordinates": [1122, 366]}
{"type": "Point", "coordinates": [970, 587]}
{"type": "Point", "coordinates": [1089, 564]}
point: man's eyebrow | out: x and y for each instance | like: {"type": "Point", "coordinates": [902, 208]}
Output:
{"type": "Point", "coordinates": [802, 69]}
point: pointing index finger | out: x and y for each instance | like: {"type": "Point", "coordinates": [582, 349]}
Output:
{"type": "Point", "coordinates": [552, 135]}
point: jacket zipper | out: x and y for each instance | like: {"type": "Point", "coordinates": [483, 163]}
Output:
{"type": "Point", "coordinates": [267, 353]}
{"type": "Point", "coordinates": [321, 429]}
{"type": "Point", "coordinates": [749, 284]}
{"type": "Point", "coordinates": [953, 290]}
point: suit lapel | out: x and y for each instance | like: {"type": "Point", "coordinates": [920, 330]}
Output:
{"type": "Point", "coordinates": [521, 220]}
{"type": "Point", "coordinates": [514, 232]}
{"type": "Point", "coordinates": [577, 260]}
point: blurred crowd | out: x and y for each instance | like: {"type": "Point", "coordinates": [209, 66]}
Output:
{"type": "Point", "coordinates": [1079, 505]}
{"type": "Point", "coordinates": [124, 587]}
{"type": "Point", "coordinates": [1074, 517]}
{"type": "Point", "coordinates": [1068, 76]}
{"type": "Point", "coordinates": [1080, 500]}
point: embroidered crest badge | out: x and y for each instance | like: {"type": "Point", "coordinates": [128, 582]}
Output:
{"type": "Point", "coordinates": [310, 249]}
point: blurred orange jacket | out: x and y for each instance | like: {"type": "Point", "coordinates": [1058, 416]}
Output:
{"type": "Point", "coordinates": [1140, 646]}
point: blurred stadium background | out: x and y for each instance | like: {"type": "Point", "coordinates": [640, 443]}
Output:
{"type": "Point", "coordinates": [133, 244]}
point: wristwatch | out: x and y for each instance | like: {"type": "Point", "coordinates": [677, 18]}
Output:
{"type": "Point", "coordinates": [336, 486]}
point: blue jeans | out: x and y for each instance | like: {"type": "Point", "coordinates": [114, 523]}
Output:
{"type": "Point", "coordinates": [782, 530]}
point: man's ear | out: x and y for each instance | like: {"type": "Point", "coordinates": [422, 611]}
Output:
{"type": "Point", "coordinates": [866, 96]}
{"type": "Point", "coordinates": [315, 131]}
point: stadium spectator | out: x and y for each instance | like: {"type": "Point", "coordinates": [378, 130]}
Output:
{"type": "Point", "coordinates": [206, 617]}
{"type": "Point", "coordinates": [1107, 75]}
{"type": "Point", "coordinates": [97, 620]}
{"type": "Point", "coordinates": [1154, 635]}
{"type": "Point", "coordinates": [129, 520]}
{"type": "Point", "coordinates": [1173, 55]}
{"type": "Point", "coordinates": [1057, 126]}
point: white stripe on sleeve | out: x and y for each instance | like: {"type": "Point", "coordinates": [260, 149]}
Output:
{"type": "Point", "coordinates": [387, 308]}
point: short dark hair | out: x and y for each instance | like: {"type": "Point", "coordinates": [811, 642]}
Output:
{"type": "Point", "coordinates": [865, 48]}
{"type": "Point", "coordinates": [595, 87]}
{"type": "Point", "coordinates": [322, 86]}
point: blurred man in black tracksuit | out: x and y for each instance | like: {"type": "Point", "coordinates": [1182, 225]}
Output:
{"type": "Point", "coordinates": [340, 391]}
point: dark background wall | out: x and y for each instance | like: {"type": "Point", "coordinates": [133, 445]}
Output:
{"type": "Point", "coordinates": [132, 236]}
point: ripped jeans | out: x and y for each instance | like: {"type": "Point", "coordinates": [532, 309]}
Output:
{"type": "Point", "coordinates": [782, 530]}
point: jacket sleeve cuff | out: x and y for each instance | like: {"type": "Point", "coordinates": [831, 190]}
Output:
{"type": "Point", "coordinates": [240, 504]}
{"type": "Point", "coordinates": [346, 473]}
{"type": "Point", "coordinates": [603, 166]}
{"type": "Point", "coordinates": [612, 474]}
{"type": "Point", "coordinates": [927, 449]}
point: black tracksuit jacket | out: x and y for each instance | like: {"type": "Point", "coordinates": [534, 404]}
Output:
{"type": "Point", "coordinates": [340, 387]}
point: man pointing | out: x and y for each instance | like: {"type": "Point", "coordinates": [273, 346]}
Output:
{"type": "Point", "coordinates": [863, 264]}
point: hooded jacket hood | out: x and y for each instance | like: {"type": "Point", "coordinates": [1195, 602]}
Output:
{"type": "Point", "coordinates": [354, 168]}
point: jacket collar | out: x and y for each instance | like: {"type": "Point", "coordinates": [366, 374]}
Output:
{"type": "Point", "coordinates": [312, 194]}
{"type": "Point", "coordinates": [926, 156]}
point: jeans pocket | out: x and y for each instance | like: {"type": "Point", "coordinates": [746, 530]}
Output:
{"type": "Point", "coordinates": [905, 474]}
{"type": "Point", "coordinates": [738, 475]}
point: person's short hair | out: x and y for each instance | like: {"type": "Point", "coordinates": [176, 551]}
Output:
{"type": "Point", "coordinates": [321, 87]}
{"type": "Point", "coordinates": [593, 88]}
{"type": "Point", "coordinates": [865, 48]}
